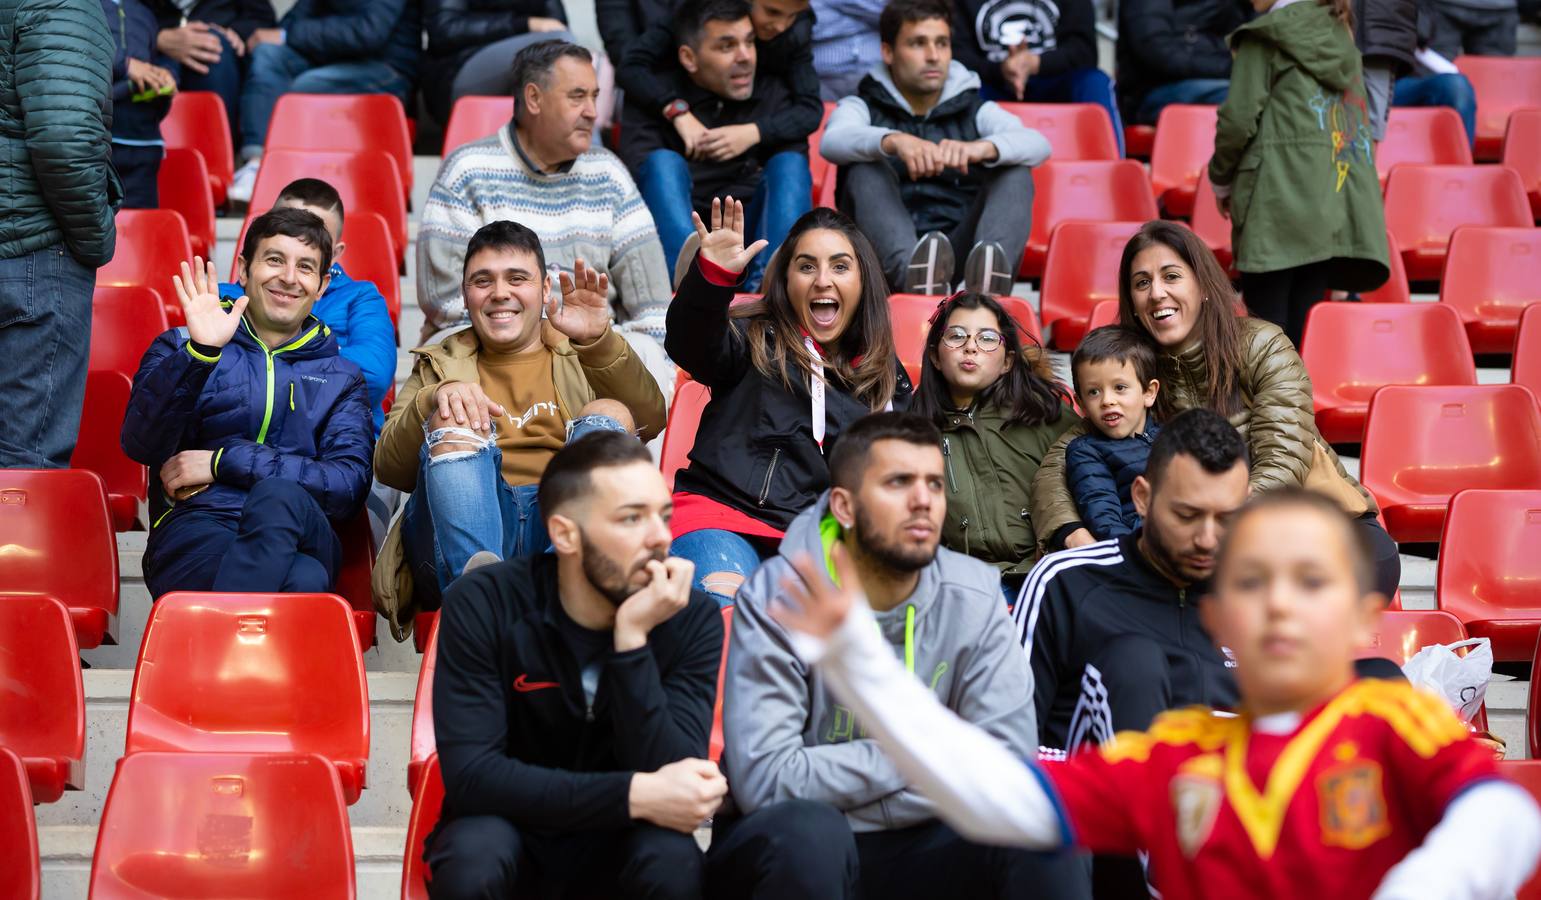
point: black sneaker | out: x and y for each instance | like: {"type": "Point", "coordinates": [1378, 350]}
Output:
{"type": "Point", "coordinates": [987, 269]}
{"type": "Point", "coordinates": [930, 268]}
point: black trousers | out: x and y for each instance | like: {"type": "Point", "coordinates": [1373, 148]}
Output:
{"type": "Point", "coordinates": [488, 858]}
{"type": "Point", "coordinates": [806, 850]}
{"type": "Point", "coordinates": [1286, 296]}
{"type": "Point", "coordinates": [139, 171]}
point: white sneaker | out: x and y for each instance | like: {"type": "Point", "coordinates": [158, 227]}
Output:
{"type": "Point", "coordinates": [244, 181]}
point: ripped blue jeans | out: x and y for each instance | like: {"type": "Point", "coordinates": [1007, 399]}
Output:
{"type": "Point", "coordinates": [462, 506]}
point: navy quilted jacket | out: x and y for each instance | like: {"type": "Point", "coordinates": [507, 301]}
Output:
{"type": "Point", "coordinates": [1101, 471]}
{"type": "Point", "coordinates": [298, 413]}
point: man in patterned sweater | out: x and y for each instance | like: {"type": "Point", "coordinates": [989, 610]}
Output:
{"type": "Point", "coordinates": [542, 171]}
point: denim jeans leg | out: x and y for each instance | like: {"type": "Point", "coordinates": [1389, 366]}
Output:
{"type": "Point", "coordinates": [587, 425]}
{"type": "Point", "coordinates": [351, 78]}
{"type": "Point", "coordinates": [1453, 90]}
{"type": "Point", "coordinates": [528, 535]}
{"type": "Point", "coordinates": [780, 199]}
{"type": "Point", "coordinates": [1094, 86]}
{"type": "Point", "coordinates": [469, 504]}
{"type": "Point", "coordinates": [45, 339]}
{"type": "Point", "coordinates": [714, 550]}
{"type": "Point", "coordinates": [665, 183]}
{"type": "Point", "coordinates": [1208, 91]}
{"type": "Point", "coordinates": [224, 79]}
{"type": "Point", "coordinates": [273, 70]}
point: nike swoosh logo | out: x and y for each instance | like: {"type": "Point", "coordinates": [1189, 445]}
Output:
{"type": "Point", "coordinates": [524, 686]}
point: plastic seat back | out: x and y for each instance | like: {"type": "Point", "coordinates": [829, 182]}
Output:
{"type": "Point", "coordinates": [1527, 350]}
{"type": "Point", "coordinates": [427, 804]}
{"type": "Point", "coordinates": [1074, 130]}
{"type": "Point", "coordinates": [423, 742]}
{"type": "Point", "coordinates": [1104, 313]}
{"type": "Point", "coordinates": [1503, 84]}
{"type": "Point", "coordinates": [348, 122]}
{"type": "Point", "coordinates": [1428, 135]}
{"type": "Point", "coordinates": [1401, 633]}
{"type": "Point", "coordinates": [1490, 570]}
{"type": "Point", "coordinates": [714, 747]}
{"type": "Point", "coordinates": [367, 181]}
{"type": "Point", "coordinates": [19, 869]}
{"type": "Point", "coordinates": [42, 702]}
{"type": "Point", "coordinates": [1081, 271]}
{"type": "Point", "coordinates": [1185, 140]}
{"type": "Point", "coordinates": [1425, 204]}
{"type": "Point", "coordinates": [152, 245]}
{"type": "Point", "coordinates": [1094, 190]}
{"type": "Point", "coordinates": [253, 673]}
{"type": "Point", "coordinates": [1522, 153]}
{"type": "Point", "coordinates": [1527, 774]}
{"type": "Point", "coordinates": [198, 121]}
{"type": "Point", "coordinates": [476, 117]}
{"type": "Point", "coordinates": [183, 183]}
{"type": "Point", "coordinates": [358, 560]}
{"type": "Point", "coordinates": [262, 826]}
{"type": "Point", "coordinates": [99, 449]}
{"type": "Point", "coordinates": [1352, 349]}
{"type": "Point", "coordinates": [57, 531]}
{"type": "Point", "coordinates": [1396, 289]}
{"type": "Point", "coordinates": [371, 256]}
{"type": "Point", "coordinates": [1422, 444]}
{"type": "Point", "coordinates": [1494, 273]}
{"type": "Point", "coordinates": [1211, 227]}
{"type": "Point", "coordinates": [910, 316]}
{"type": "Point", "coordinates": [124, 322]}
{"type": "Point", "coordinates": [819, 169]}
{"type": "Point", "coordinates": [690, 399]}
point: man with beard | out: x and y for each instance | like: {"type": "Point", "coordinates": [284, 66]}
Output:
{"type": "Point", "coordinates": [818, 810]}
{"type": "Point", "coordinates": [573, 699]}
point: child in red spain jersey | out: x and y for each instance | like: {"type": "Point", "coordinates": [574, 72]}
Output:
{"type": "Point", "coordinates": [1322, 787]}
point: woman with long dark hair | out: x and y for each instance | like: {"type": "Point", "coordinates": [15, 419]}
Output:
{"type": "Point", "coordinates": [1171, 288]}
{"type": "Point", "coordinates": [999, 409]}
{"type": "Point", "coordinates": [788, 373]}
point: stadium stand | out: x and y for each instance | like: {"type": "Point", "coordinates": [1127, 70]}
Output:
{"type": "Point", "coordinates": [1211, 227]}
{"type": "Point", "coordinates": [1402, 633]}
{"type": "Point", "coordinates": [1080, 271]}
{"type": "Point", "coordinates": [1097, 190]}
{"type": "Point", "coordinates": [42, 702]}
{"type": "Point", "coordinates": [152, 245]}
{"type": "Point", "coordinates": [1489, 568]}
{"type": "Point", "coordinates": [1428, 135]}
{"type": "Point", "coordinates": [1503, 84]}
{"type": "Point", "coordinates": [1396, 289]}
{"type": "Point", "coordinates": [684, 417]}
{"type": "Point", "coordinates": [124, 321]}
{"type": "Point", "coordinates": [345, 122]}
{"type": "Point", "coordinates": [99, 450]}
{"type": "Point", "coordinates": [197, 121]}
{"type": "Point", "coordinates": [474, 118]}
{"type": "Point", "coordinates": [422, 745]}
{"type": "Point", "coordinates": [427, 801]}
{"type": "Point", "coordinates": [20, 871]}
{"type": "Point", "coordinates": [358, 176]}
{"type": "Point", "coordinates": [358, 558]}
{"type": "Point", "coordinates": [1527, 350]}
{"type": "Point", "coordinates": [1425, 204]}
{"type": "Point", "coordinates": [1522, 153]}
{"type": "Point", "coordinates": [58, 539]}
{"type": "Point", "coordinates": [1185, 139]}
{"type": "Point", "coordinates": [822, 173]}
{"type": "Point", "coordinates": [1494, 274]}
{"type": "Point", "coordinates": [1074, 130]}
{"type": "Point", "coordinates": [183, 183]}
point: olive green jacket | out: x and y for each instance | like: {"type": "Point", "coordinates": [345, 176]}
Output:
{"type": "Point", "coordinates": [1293, 143]}
{"type": "Point", "coordinates": [1277, 418]}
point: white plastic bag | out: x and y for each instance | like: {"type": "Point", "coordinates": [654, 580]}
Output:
{"type": "Point", "coordinates": [1461, 680]}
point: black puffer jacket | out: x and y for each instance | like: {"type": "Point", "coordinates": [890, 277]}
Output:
{"type": "Point", "coordinates": [458, 28]}
{"type": "Point", "coordinates": [331, 31]}
{"type": "Point", "coordinates": [56, 177]}
{"type": "Point", "coordinates": [755, 449]}
{"type": "Point", "coordinates": [623, 22]}
{"type": "Point", "coordinates": [1162, 41]}
{"type": "Point", "coordinates": [1387, 29]}
{"type": "Point", "coordinates": [1101, 472]}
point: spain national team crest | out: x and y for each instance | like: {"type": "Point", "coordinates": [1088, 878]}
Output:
{"type": "Point", "coordinates": [1353, 805]}
{"type": "Point", "coordinates": [1196, 797]}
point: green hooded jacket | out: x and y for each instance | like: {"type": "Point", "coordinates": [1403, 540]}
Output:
{"type": "Point", "coordinates": [1294, 143]}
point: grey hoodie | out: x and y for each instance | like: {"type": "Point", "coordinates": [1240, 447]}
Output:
{"type": "Point", "coordinates": [787, 739]}
{"type": "Point", "coordinates": [850, 137]}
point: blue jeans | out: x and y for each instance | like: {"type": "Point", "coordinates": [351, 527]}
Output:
{"type": "Point", "coordinates": [714, 550]}
{"type": "Point", "coordinates": [1204, 91]}
{"type": "Point", "coordinates": [277, 70]}
{"type": "Point", "coordinates": [1077, 86]}
{"type": "Point", "coordinates": [1452, 90]}
{"type": "Point", "coordinates": [45, 340]}
{"type": "Point", "coordinates": [224, 79]}
{"type": "Point", "coordinates": [462, 506]}
{"type": "Point", "coordinates": [781, 197]}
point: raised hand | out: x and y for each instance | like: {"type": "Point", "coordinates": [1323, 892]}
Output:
{"type": "Point", "coordinates": [816, 606]}
{"type": "Point", "coordinates": [661, 600]}
{"type": "Point", "coordinates": [198, 289]}
{"type": "Point", "coordinates": [723, 245]}
{"type": "Point", "coordinates": [584, 313]}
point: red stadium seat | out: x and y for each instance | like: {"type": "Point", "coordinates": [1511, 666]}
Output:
{"type": "Point", "coordinates": [690, 399]}
{"type": "Point", "coordinates": [423, 745]}
{"type": "Point", "coordinates": [1074, 130]}
{"type": "Point", "coordinates": [1080, 272]}
{"type": "Point", "coordinates": [1503, 85]}
{"type": "Point", "coordinates": [1527, 774]}
{"type": "Point", "coordinates": [253, 673]}
{"type": "Point", "coordinates": [371, 256]}
{"type": "Point", "coordinates": [1527, 350]}
{"type": "Point", "coordinates": [361, 177]}
{"type": "Point", "coordinates": [1522, 153]}
{"type": "Point", "coordinates": [1490, 571]}
{"type": "Point", "coordinates": [1211, 227]}
{"type": "Point", "coordinates": [152, 245]}
{"type": "Point", "coordinates": [1396, 289]}
{"type": "Point", "coordinates": [99, 449]}
{"type": "Point", "coordinates": [819, 168]}
{"type": "Point", "coordinates": [1425, 136]}
{"type": "Point", "coordinates": [261, 826]}
{"type": "Point", "coordinates": [346, 122]}
{"type": "Point", "coordinates": [1104, 313]}
{"type": "Point", "coordinates": [1424, 444]}
{"type": "Point", "coordinates": [1533, 734]}
{"type": "Point", "coordinates": [1352, 349]}
{"type": "Point", "coordinates": [57, 534]}
{"type": "Point", "coordinates": [124, 322]}
{"type": "Point", "coordinates": [358, 559]}
{"type": "Point", "coordinates": [1494, 274]}
{"type": "Point", "coordinates": [424, 626]}
{"type": "Point", "coordinates": [474, 118]}
{"type": "Point", "coordinates": [198, 121]}
{"type": "Point", "coordinates": [42, 703]}
{"type": "Point", "coordinates": [714, 748]}
{"type": "Point", "coordinates": [1402, 633]}
{"type": "Point", "coordinates": [910, 315]}
{"type": "Point", "coordinates": [427, 803]}
{"type": "Point", "coordinates": [19, 868]}
{"type": "Point", "coordinates": [1139, 140]}
{"type": "Point", "coordinates": [1185, 140]}
{"type": "Point", "coordinates": [1094, 190]}
{"type": "Point", "coordinates": [183, 183]}
{"type": "Point", "coordinates": [1424, 204]}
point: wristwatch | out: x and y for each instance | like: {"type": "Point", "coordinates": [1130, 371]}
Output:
{"type": "Point", "coordinates": [675, 109]}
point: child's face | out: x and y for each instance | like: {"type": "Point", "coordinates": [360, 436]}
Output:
{"type": "Point", "coordinates": [1287, 604]}
{"type": "Point", "coordinates": [969, 368]}
{"type": "Point", "coordinates": [1113, 398]}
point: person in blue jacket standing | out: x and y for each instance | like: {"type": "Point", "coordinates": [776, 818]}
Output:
{"type": "Point", "coordinates": [255, 430]}
{"type": "Point", "coordinates": [354, 310]}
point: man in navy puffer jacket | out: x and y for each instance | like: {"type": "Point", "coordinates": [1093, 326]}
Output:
{"type": "Point", "coordinates": [257, 433]}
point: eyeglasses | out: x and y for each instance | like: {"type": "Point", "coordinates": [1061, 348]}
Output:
{"type": "Point", "coordinates": [988, 340]}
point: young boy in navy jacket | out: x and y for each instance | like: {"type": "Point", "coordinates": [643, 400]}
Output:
{"type": "Point", "coordinates": [1113, 371]}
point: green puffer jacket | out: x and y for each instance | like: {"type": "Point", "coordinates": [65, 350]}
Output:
{"type": "Point", "coordinates": [57, 182]}
{"type": "Point", "coordinates": [1294, 143]}
{"type": "Point", "coordinates": [1277, 419]}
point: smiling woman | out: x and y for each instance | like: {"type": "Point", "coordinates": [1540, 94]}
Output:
{"type": "Point", "coordinates": [788, 374]}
